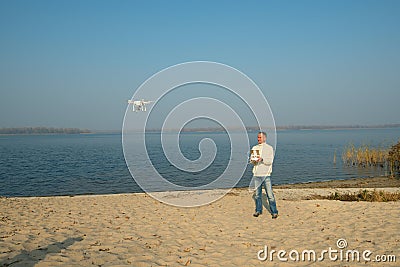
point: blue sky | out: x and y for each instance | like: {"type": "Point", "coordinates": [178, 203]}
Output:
{"type": "Point", "coordinates": [75, 63]}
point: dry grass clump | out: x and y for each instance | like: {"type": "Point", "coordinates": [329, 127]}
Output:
{"type": "Point", "coordinates": [365, 195]}
{"type": "Point", "coordinates": [394, 159]}
{"type": "Point", "coordinates": [366, 156]}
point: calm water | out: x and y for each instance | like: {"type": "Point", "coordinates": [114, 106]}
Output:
{"type": "Point", "coordinates": [94, 164]}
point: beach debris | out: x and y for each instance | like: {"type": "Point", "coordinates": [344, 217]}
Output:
{"type": "Point", "coordinates": [188, 249]}
{"type": "Point", "coordinates": [97, 243]}
{"type": "Point", "coordinates": [189, 261]}
{"type": "Point", "coordinates": [247, 244]}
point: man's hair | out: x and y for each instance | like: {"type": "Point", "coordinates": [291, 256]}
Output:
{"type": "Point", "coordinates": [263, 133]}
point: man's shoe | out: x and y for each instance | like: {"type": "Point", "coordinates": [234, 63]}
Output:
{"type": "Point", "coordinates": [256, 214]}
{"type": "Point", "coordinates": [274, 216]}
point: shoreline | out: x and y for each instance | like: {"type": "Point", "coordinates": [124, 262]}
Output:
{"type": "Point", "coordinates": [368, 183]}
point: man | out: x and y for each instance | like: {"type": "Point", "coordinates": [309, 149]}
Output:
{"type": "Point", "coordinates": [262, 174]}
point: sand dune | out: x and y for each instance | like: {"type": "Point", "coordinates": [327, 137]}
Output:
{"type": "Point", "coordinates": [136, 230]}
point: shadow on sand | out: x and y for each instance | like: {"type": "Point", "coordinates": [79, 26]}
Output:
{"type": "Point", "coordinates": [30, 258]}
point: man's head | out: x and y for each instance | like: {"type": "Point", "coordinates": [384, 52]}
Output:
{"type": "Point", "coordinates": [261, 137]}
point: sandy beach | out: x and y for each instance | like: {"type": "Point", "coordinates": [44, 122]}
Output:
{"type": "Point", "coordinates": [137, 230]}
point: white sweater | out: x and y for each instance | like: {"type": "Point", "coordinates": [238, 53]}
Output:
{"type": "Point", "coordinates": [264, 167]}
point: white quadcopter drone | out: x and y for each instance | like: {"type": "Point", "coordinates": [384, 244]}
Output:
{"type": "Point", "coordinates": [139, 105]}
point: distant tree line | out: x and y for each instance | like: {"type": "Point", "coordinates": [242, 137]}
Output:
{"type": "Point", "coordinates": [289, 127]}
{"type": "Point", "coordinates": [42, 130]}
{"type": "Point", "coordinates": [325, 127]}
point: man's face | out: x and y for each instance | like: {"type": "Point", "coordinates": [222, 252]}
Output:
{"type": "Point", "coordinates": [261, 138]}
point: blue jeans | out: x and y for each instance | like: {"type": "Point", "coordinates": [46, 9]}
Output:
{"type": "Point", "coordinates": [266, 181]}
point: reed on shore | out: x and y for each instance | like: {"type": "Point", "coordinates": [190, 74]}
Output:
{"type": "Point", "coordinates": [394, 159]}
{"type": "Point", "coordinates": [367, 156]}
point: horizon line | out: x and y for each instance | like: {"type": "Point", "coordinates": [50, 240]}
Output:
{"type": "Point", "coordinates": [218, 129]}
{"type": "Point", "coordinates": [284, 127]}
